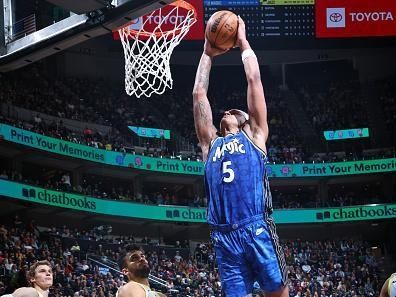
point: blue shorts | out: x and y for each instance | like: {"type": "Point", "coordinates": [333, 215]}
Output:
{"type": "Point", "coordinates": [249, 252]}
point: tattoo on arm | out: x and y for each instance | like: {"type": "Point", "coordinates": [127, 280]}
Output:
{"type": "Point", "coordinates": [203, 122]}
{"type": "Point", "coordinates": [203, 118]}
{"type": "Point", "coordinates": [203, 72]}
{"type": "Point", "coordinates": [203, 113]}
{"type": "Point", "coordinates": [204, 77]}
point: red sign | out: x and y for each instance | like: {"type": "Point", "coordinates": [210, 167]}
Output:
{"type": "Point", "coordinates": [355, 18]}
{"type": "Point", "coordinates": [168, 21]}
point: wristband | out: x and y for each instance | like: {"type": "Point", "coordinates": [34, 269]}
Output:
{"type": "Point", "coordinates": [247, 53]}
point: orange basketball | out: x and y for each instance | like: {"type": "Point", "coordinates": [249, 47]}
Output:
{"type": "Point", "coordinates": [221, 29]}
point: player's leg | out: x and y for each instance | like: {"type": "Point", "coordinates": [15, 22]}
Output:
{"type": "Point", "coordinates": [266, 257]}
{"type": "Point", "coordinates": [235, 274]}
{"type": "Point", "coordinates": [283, 292]}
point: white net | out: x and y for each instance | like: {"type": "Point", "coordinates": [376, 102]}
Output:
{"type": "Point", "coordinates": [147, 53]}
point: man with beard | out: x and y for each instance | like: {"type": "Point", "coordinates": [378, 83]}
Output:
{"type": "Point", "coordinates": [135, 267]}
{"type": "Point", "coordinates": [41, 279]}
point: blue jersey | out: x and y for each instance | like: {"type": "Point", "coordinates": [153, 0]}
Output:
{"type": "Point", "coordinates": [235, 179]}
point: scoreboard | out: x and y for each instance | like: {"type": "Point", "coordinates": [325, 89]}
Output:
{"type": "Point", "coordinates": [299, 24]}
{"type": "Point", "coordinates": [270, 18]}
{"type": "Point", "coordinates": [308, 24]}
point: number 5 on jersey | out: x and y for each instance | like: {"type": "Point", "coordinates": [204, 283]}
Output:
{"type": "Point", "coordinates": [228, 172]}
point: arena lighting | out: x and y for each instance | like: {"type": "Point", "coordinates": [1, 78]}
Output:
{"type": "Point", "coordinates": [374, 247]}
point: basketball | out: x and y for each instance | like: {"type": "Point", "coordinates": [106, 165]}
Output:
{"type": "Point", "coordinates": [221, 29]}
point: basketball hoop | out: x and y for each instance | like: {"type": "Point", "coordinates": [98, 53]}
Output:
{"type": "Point", "coordinates": [148, 45]}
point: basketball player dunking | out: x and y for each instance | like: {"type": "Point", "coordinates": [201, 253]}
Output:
{"type": "Point", "coordinates": [240, 203]}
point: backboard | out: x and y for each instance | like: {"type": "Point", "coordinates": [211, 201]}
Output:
{"type": "Point", "coordinates": [36, 42]}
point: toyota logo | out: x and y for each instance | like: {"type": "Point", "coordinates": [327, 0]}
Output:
{"type": "Point", "coordinates": [335, 17]}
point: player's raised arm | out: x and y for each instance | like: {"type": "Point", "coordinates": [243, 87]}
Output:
{"type": "Point", "coordinates": [203, 118]}
{"type": "Point", "coordinates": [257, 107]}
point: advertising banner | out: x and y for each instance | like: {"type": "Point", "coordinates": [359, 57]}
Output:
{"type": "Point", "coordinates": [75, 150]}
{"type": "Point", "coordinates": [196, 32]}
{"type": "Point", "coordinates": [355, 18]}
{"type": "Point", "coordinates": [185, 214]}
{"type": "Point", "coordinates": [100, 206]}
{"type": "Point", "coordinates": [214, 3]}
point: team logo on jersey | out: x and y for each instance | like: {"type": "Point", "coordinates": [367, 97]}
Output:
{"type": "Point", "coordinates": [231, 147]}
{"type": "Point", "coordinates": [259, 231]}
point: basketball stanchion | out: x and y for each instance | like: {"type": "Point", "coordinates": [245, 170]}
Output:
{"type": "Point", "coordinates": [148, 49]}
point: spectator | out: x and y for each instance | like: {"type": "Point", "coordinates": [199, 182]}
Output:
{"type": "Point", "coordinates": [65, 180]}
{"type": "Point", "coordinates": [41, 279]}
{"type": "Point", "coordinates": [135, 266]}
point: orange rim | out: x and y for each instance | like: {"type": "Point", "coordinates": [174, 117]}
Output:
{"type": "Point", "coordinates": [178, 3]}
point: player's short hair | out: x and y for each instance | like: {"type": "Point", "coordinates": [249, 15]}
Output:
{"type": "Point", "coordinates": [32, 269]}
{"type": "Point", "coordinates": [123, 259]}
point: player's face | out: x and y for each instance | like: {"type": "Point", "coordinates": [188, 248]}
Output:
{"type": "Point", "coordinates": [42, 277]}
{"type": "Point", "coordinates": [138, 265]}
{"type": "Point", "coordinates": [228, 120]}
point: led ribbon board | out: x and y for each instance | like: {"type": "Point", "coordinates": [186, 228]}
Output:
{"type": "Point", "coordinates": [75, 150]}
{"type": "Point", "coordinates": [150, 132]}
{"type": "Point", "coordinates": [346, 134]}
{"type": "Point", "coordinates": [182, 213]}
